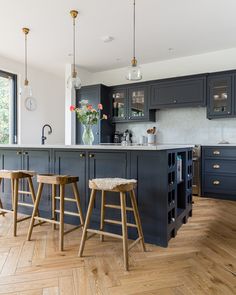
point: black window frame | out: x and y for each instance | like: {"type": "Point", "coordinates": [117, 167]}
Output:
{"type": "Point", "coordinates": [13, 137]}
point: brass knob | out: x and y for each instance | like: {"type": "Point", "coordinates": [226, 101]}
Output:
{"type": "Point", "coordinates": [216, 166]}
{"type": "Point", "coordinates": [216, 152]}
{"type": "Point", "coordinates": [175, 101]}
{"type": "Point", "coordinates": [91, 155]}
{"type": "Point", "coordinates": [216, 182]}
{"type": "Point", "coordinates": [82, 155]}
{"type": "Point", "coordinates": [172, 219]}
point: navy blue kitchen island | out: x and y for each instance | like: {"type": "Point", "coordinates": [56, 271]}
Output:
{"type": "Point", "coordinates": [164, 175]}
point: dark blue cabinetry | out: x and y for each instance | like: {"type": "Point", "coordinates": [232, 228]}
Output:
{"type": "Point", "coordinates": [179, 92]}
{"type": "Point", "coordinates": [131, 103]}
{"type": "Point", "coordinates": [27, 159]}
{"type": "Point", "coordinates": [219, 172]}
{"type": "Point", "coordinates": [95, 94]}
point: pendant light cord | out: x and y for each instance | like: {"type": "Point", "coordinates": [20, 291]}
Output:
{"type": "Point", "coordinates": [26, 61]}
{"type": "Point", "coordinates": [74, 47]}
{"type": "Point", "coordinates": [134, 33]}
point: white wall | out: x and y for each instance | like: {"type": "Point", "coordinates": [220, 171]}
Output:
{"type": "Point", "coordinates": [49, 91]}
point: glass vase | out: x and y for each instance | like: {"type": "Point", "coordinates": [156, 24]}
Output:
{"type": "Point", "coordinates": [88, 136]}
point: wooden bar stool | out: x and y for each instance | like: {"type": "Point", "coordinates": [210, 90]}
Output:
{"type": "Point", "coordinates": [14, 176]}
{"type": "Point", "coordinates": [62, 181]}
{"type": "Point", "coordinates": [121, 186]}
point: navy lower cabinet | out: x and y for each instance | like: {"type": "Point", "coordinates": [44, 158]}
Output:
{"type": "Point", "coordinates": [72, 163]}
{"type": "Point", "coordinates": [10, 160]}
{"type": "Point", "coordinates": [164, 201]}
{"type": "Point", "coordinates": [107, 164]}
{"type": "Point", "coordinates": [219, 172]}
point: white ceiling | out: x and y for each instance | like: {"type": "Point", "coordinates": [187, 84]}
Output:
{"type": "Point", "coordinates": [188, 26]}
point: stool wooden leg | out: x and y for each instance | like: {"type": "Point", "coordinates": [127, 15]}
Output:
{"type": "Point", "coordinates": [54, 215]}
{"type": "Point", "coordinates": [36, 207]}
{"type": "Point", "coordinates": [137, 219]}
{"type": "Point", "coordinates": [124, 230]}
{"type": "Point", "coordinates": [87, 220]}
{"type": "Point", "coordinates": [15, 206]}
{"type": "Point", "coordinates": [31, 188]}
{"type": "Point", "coordinates": [77, 198]}
{"type": "Point", "coordinates": [12, 194]}
{"type": "Point", "coordinates": [62, 196]}
{"type": "Point", "coordinates": [102, 214]}
{"type": "Point", "coordinates": [1, 206]}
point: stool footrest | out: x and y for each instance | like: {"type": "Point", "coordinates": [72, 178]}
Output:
{"type": "Point", "coordinates": [5, 211]}
{"type": "Point", "coordinates": [67, 199]}
{"type": "Point", "coordinates": [23, 219]}
{"type": "Point", "coordinates": [24, 192]}
{"type": "Point", "coordinates": [25, 204]}
{"type": "Point", "coordinates": [46, 220]}
{"type": "Point", "coordinates": [104, 233]}
{"type": "Point", "coordinates": [135, 242]}
{"type": "Point", "coordinates": [68, 213]}
{"type": "Point", "coordinates": [117, 207]}
{"type": "Point", "coordinates": [119, 222]}
{"type": "Point", "coordinates": [72, 229]}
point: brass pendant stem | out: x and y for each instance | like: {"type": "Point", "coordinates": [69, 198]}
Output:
{"type": "Point", "coordinates": [26, 83]}
{"type": "Point", "coordinates": [74, 13]}
{"type": "Point", "coordinates": [134, 62]}
{"type": "Point", "coordinates": [74, 74]}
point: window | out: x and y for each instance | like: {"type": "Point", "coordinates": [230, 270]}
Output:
{"type": "Point", "coordinates": [8, 108]}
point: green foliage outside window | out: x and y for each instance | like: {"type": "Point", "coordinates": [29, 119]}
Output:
{"type": "Point", "coordinates": [4, 109]}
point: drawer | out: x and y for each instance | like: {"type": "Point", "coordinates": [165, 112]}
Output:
{"type": "Point", "coordinates": [220, 152]}
{"type": "Point", "coordinates": [220, 166]}
{"type": "Point", "coordinates": [216, 183]}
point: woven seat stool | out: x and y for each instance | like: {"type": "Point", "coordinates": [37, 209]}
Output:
{"type": "Point", "coordinates": [15, 176]}
{"type": "Point", "coordinates": [120, 186]}
{"type": "Point", "coordinates": [54, 181]}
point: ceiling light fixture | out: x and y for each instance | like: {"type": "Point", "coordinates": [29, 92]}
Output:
{"type": "Point", "coordinates": [74, 80]}
{"type": "Point", "coordinates": [134, 71]}
{"type": "Point", "coordinates": [27, 91]}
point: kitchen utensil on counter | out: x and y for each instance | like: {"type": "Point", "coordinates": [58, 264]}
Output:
{"type": "Point", "coordinates": [151, 135]}
{"type": "Point", "coordinates": [126, 138]}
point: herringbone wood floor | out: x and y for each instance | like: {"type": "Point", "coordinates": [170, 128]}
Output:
{"type": "Point", "coordinates": [201, 260]}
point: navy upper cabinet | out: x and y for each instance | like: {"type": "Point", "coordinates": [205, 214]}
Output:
{"type": "Point", "coordinates": [220, 93]}
{"type": "Point", "coordinates": [131, 103]}
{"type": "Point", "coordinates": [179, 92]}
{"type": "Point", "coordinates": [119, 96]}
{"type": "Point", "coordinates": [95, 94]}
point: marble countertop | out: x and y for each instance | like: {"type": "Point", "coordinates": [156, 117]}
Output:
{"type": "Point", "coordinates": [98, 147]}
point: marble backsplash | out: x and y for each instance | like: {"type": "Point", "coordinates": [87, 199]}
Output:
{"type": "Point", "coordinates": [184, 126]}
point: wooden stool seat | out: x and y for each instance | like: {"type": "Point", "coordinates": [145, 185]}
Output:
{"type": "Point", "coordinates": [61, 181]}
{"type": "Point", "coordinates": [56, 179]}
{"type": "Point", "coordinates": [121, 186]}
{"type": "Point", "coordinates": [15, 176]}
{"type": "Point", "coordinates": [113, 184]}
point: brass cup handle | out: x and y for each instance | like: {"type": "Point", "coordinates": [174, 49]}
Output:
{"type": "Point", "coordinates": [91, 156]}
{"type": "Point", "coordinates": [25, 153]}
{"type": "Point", "coordinates": [216, 182]}
{"type": "Point", "coordinates": [216, 166]}
{"type": "Point", "coordinates": [216, 152]}
{"type": "Point", "coordinates": [19, 153]}
{"type": "Point", "coordinates": [82, 155]}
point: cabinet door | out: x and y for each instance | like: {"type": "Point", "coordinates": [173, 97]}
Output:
{"type": "Point", "coordinates": [107, 164]}
{"type": "Point", "coordinates": [138, 103]}
{"type": "Point", "coordinates": [119, 104]}
{"type": "Point", "coordinates": [179, 93]}
{"type": "Point", "coordinates": [10, 160]}
{"type": "Point", "coordinates": [92, 94]}
{"type": "Point", "coordinates": [72, 163]}
{"type": "Point", "coordinates": [220, 96]}
{"type": "Point", "coordinates": [38, 161]}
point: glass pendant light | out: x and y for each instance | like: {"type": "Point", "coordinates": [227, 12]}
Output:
{"type": "Point", "coordinates": [27, 91]}
{"type": "Point", "coordinates": [74, 80]}
{"type": "Point", "coordinates": [134, 71]}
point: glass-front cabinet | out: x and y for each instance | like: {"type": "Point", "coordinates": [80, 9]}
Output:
{"type": "Point", "coordinates": [138, 103]}
{"type": "Point", "coordinates": [220, 96]}
{"type": "Point", "coordinates": [131, 103]}
{"type": "Point", "coordinates": [119, 104]}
